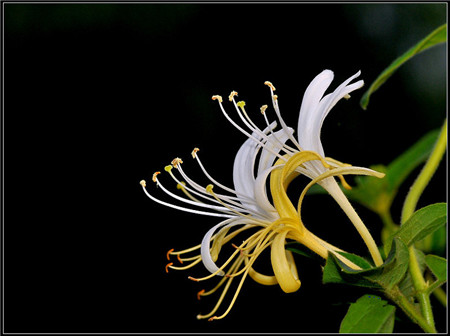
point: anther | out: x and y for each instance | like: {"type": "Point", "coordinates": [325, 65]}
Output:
{"type": "Point", "coordinates": [168, 253]}
{"type": "Point", "coordinates": [179, 259]}
{"type": "Point", "coordinates": [241, 104]}
{"type": "Point", "coordinates": [199, 294]}
{"type": "Point", "coordinates": [143, 183]}
{"type": "Point", "coordinates": [219, 98]}
{"type": "Point", "coordinates": [209, 188]}
{"type": "Point", "coordinates": [347, 96]}
{"type": "Point", "coordinates": [167, 266]}
{"type": "Point", "coordinates": [194, 152]}
{"type": "Point", "coordinates": [269, 84]}
{"type": "Point", "coordinates": [212, 318]}
{"type": "Point", "coordinates": [168, 168]}
{"type": "Point", "coordinates": [193, 279]}
{"type": "Point", "coordinates": [176, 162]}
{"type": "Point", "coordinates": [263, 109]}
{"type": "Point", "coordinates": [232, 94]}
{"type": "Point", "coordinates": [154, 176]}
{"type": "Point", "coordinates": [275, 97]}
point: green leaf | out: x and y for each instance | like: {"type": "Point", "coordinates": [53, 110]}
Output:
{"type": "Point", "coordinates": [422, 223]}
{"type": "Point", "coordinates": [336, 272]}
{"type": "Point", "coordinates": [387, 275]}
{"type": "Point", "coordinates": [438, 266]}
{"type": "Point", "coordinates": [434, 38]}
{"type": "Point", "coordinates": [369, 314]}
{"type": "Point", "coordinates": [395, 266]}
{"type": "Point", "coordinates": [357, 260]}
{"type": "Point", "coordinates": [399, 169]}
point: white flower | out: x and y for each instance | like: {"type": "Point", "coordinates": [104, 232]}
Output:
{"type": "Point", "coordinates": [247, 204]}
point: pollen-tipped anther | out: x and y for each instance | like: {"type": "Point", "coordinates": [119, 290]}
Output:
{"type": "Point", "coordinates": [168, 168]}
{"type": "Point", "coordinates": [232, 94]}
{"type": "Point", "coordinates": [263, 109]}
{"type": "Point", "coordinates": [154, 178]}
{"type": "Point", "coordinates": [199, 294]}
{"type": "Point", "coordinates": [192, 278]}
{"type": "Point", "coordinates": [217, 97]}
{"type": "Point", "coordinates": [168, 253]}
{"type": "Point", "coordinates": [194, 152]}
{"type": "Point", "coordinates": [176, 162]}
{"type": "Point", "coordinates": [167, 266]}
{"type": "Point", "coordinates": [269, 84]}
{"type": "Point", "coordinates": [209, 188]}
{"type": "Point", "coordinates": [143, 183]}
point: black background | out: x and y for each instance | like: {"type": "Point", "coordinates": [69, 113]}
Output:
{"type": "Point", "coordinates": [99, 96]}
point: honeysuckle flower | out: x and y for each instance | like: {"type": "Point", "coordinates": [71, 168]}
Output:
{"type": "Point", "coordinates": [248, 206]}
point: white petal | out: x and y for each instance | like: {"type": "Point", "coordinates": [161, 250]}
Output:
{"type": "Point", "coordinates": [311, 123]}
{"type": "Point", "coordinates": [310, 102]}
{"type": "Point", "coordinates": [243, 176]}
{"type": "Point", "coordinates": [261, 192]}
{"type": "Point", "coordinates": [275, 142]}
{"type": "Point", "coordinates": [205, 249]}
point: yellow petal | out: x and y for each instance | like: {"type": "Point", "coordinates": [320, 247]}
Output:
{"type": "Point", "coordinates": [283, 265]}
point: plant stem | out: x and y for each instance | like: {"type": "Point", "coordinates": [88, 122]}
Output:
{"type": "Point", "coordinates": [408, 209]}
{"type": "Point", "coordinates": [399, 298]}
{"type": "Point", "coordinates": [425, 175]}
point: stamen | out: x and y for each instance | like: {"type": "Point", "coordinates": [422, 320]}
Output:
{"type": "Point", "coordinates": [169, 252]}
{"type": "Point", "coordinates": [154, 179]}
{"type": "Point", "coordinates": [182, 268]}
{"type": "Point", "coordinates": [269, 84]}
{"type": "Point", "coordinates": [263, 109]}
{"type": "Point", "coordinates": [219, 98]}
{"type": "Point", "coordinates": [194, 152]}
{"type": "Point", "coordinates": [176, 162]}
{"type": "Point", "coordinates": [185, 209]}
{"type": "Point", "coordinates": [235, 265]}
{"type": "Point", "coordinates": [234, 297]}
{"type": "Point", "coordinates": [232, 94]}
{"type": "Point", "coordinates": [199, 294]}
{"type": "Point", "coordinates": [167, 266]}
{"type": "Point", "coordinates": [209, 190]}
{"type": "Point", "coordinates": [143, 183]}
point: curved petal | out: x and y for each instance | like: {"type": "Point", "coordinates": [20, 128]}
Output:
{"type": "Point", "coordinates": [243, 176]}
{"type": "Point", "coordinates": [315, 112]}
{"type": "Point", "coordinates": [283, 265]}
{"type": "Point", "coordinates": [310, 102]}
{"type": "Point", "coordinates": [205, 250]}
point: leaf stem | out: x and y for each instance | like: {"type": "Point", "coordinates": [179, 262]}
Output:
{"type": "Point", "coordinates": [440, 295]}
{"type": "Point", "coordinates": [408, 209]}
